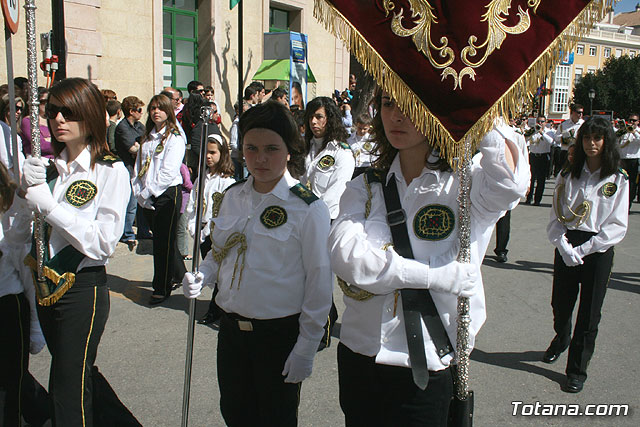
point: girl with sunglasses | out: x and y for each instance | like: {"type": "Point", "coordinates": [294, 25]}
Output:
{"type": "Point", "coordinates": [157, 185]}
{"type": "Point", "coordinates": [82, 201]}
{"type": "Point", "coordinates": [589, 217]}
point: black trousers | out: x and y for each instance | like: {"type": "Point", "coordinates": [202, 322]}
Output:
{"type": "Point", "coordinates": [14, 356]}
{"type": "Point", "coordinates": [503, 230]}
{"type": "Point", "coordinates": [539, 170]}
{"type": "Point", "coordinates": [631, 166]}
{"type": "Point", "coordinates": [250, 364]}
{"type": "Point", "coordinates": [168, 265]}
{"type": "Point", "coordinates": [380, 395]}
{"type": "Point", "coordinates": [72, 328]}
{"type": "Point", "coordinates": [590, 281]}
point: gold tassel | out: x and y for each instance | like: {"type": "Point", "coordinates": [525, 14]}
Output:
{"type": "Point", "coordinates": [508, 104]}
{"type": "Point", "coordinates": [68, 277]}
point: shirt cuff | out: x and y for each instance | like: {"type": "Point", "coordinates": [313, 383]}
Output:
{"type": "Point", "coordinates": [58, 217]}
{"type": "Point", "coordinates": [415, 274]}
{"type": "Point", "coordinates": [306, 348]}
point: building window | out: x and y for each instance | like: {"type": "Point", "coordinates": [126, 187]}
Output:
{"type": "Point", "coordinates": [577, 76]}
{"type": "Point", "coordinates": [593, 50]}
{"type": "Point", "coordinates": [561, 86]}
{"type": "Point", "coordinates": [179, 42]}
{"type": "Point", "coordinates": [580, 49]}
{"type": "Point", "coordinates": [591, 70]}
{"type": "Point", "coordinates": [632, 53]}
{"type": "Point", "coordinates": [618, 53]}
{"type": "Point", "coordinates": [278, 20]}
{"type": "Point", "coordinates": [607, 52]}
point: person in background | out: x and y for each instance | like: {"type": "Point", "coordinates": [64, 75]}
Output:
{"type": "Point", "coordinates": [156, 185]}
{"type": "Point", "coordinates": [114, 110]}
{"type": "Point", "coordinates": [127, 143]}
{"type": "Point", "coordinates": [566, 134]}
{"type": "Point", "coordinates": [181, 232]}
{"type": "Point", "coordinates": [280, 95]}
{"type": "Point", "coordinates": [588, 218]}
{"type": "Point", "coordinates": [176, 100]}
{"type": "Point", "coordinates": [22, 87]}
{"type": "Point", "coordinates": [6, 149]}
{"type": "Point", "coordinates": [209, 94]}
{"type": "Point", "coordinates": [361, 144]}
{"type": "Point", "coordinates": [219, 177]}
{"type": "Point", "coordinates": [235, 144]}
{"type": "Point", "coordinates": [540, 142]}
{"type": "Point", "coordinates": [45, 136]}
{"type": "Point", "coordinates": [629, 146]}
{"type": "Point", "coordinates": [109, 95]}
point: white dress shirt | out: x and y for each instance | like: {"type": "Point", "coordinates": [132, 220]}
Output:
{"type": "Point", "coordinates": [362, 147]}
{"type": "Point", "coordinates": [328, 182]}
{"type": "Point", "coordinates": [212, 184]}
{"type": "Point", "coordinates": [164, 167]}
{"type": "Point", "coordinates": [567, 132]}
{"type": "Point", "coordinates": [609, 215]}
{"type": "Point", "coordinates": [286, 268]}
{"type": "Point", "coordinates": [94, 228]}
{"type": "Point", "coordinates": [540, 143]}
{"type": "Point", "coordinates": [629, 145]}
{"type": "Point", "coordinates": [370, 327]}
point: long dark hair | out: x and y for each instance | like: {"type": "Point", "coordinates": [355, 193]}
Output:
{"type": "Point", "coordinates": [86, 102]}
{"type": "Point", "coordinates": [609, 158]}
{"type": "Point", "coordinates": [7, 188]}
{"type": "Point", "coordinates": [224, 167]}
{"type": "Point", "coordinates": [165, 105]}
{"type": "Point", "coordinates": [387, 152]}
{"type": "Point", "coordinates": [334, 130]}
{"type": "Point", "coordinates": [275, 116]}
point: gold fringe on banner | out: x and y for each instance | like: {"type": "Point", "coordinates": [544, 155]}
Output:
{"type": "Point", "coordinates": [508, 104]}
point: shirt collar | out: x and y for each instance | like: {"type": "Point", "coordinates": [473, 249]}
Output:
{"type": "Point", "coordinates": [281, 189]}
{"type": "Point", "coordinates": [83, 160]}
{"type": "Point", "coordinates": [396, 170]}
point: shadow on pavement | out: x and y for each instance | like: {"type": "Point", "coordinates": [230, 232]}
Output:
{"type": "Point", "coordinates": [517, 361]}
{"type": "Point", "coordinates": [535, 267]}
{"type": "Point", "coordinates": [628, 282]}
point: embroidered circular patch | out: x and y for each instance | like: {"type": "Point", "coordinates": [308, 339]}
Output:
{"type": "Point", "coordinates": [434, 222]}
{"type": "Point", "coordinates": [609, 189]}
{"type": "Point", "coordinates": [368, 146]}
{"type": "Point", "coordinates": [326, 162]}
{"type": "Point", "coordinates": [273, 216]}
{"type": "Point", "coordinates": [159, 148]}
{"type": "Point", "coordinates": [81, 192]}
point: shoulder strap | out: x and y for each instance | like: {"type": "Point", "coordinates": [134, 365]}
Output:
{"type": "Point", "coordinates": [416, 303]}
{"type": "Point", "coordinates": [304, 193]}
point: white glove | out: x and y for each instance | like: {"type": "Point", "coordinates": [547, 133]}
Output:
{"type": "Point", "coordinates": [192, 285]}
{"type": "Point", "coordinates": [34, 172]}
{"type": "Point", "coordinates": [569, 255]}
{"type": "Point", "coordinates": [297, 368]}
{"type": "Point", "coordinates": [40, 199]}
{"type": "Point", "coordinates": [454, 278]}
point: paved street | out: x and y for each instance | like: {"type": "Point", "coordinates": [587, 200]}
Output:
{"type": "Point", "coordinates": [143, 349]}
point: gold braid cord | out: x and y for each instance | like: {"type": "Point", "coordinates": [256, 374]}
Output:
{"type": "Point", "coordinates": [423, 18]}
{"type": "Point", "coordinates": [353, 291]}
{"type": "Point", "coordinates": [582, 212]}
{"type": "Point", "coordinates": [220, 253]}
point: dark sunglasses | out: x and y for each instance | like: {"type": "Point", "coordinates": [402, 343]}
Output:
{"type": "Point", "coordinates": [19, 107]}
{"type": "Point", "coordinates": [51, 111]}
{"type": "Point", "coordinates": [139, 109]}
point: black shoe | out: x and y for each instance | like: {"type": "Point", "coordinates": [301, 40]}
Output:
{"type": "Point", "coordinates": [527, 202]}
{"type": "Point", "coordinates": [501, 258]}
{"type": "Point", "coordinates": [536, 203]}
{"type": "Point", "coordinates": [551, 355]}
{"type": "Point", "coordinates": [209, 318]}
{"type": "Point", "coordinates": [573, 385]}
{"type": "Point", "coordinates": [158, 299]}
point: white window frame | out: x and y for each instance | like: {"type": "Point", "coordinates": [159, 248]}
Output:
{"type": "Point", "coordinates": [580, 49]}
{"type": "Point", "coordinates": [607, 52]}
{"type": "Point", "coordinates": [561, 85]}
{"type": "Point", "coordinates": [618, 53]}
{"type": "Point", "coordinates": [593, 50]}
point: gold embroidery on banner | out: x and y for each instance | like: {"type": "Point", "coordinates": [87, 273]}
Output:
{"type": "Point", "coordinates": [497, 12]}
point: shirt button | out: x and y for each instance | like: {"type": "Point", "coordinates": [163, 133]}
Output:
{"type": "Point", "coordinates": [385, 340]}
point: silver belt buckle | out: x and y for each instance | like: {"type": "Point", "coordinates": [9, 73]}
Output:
{"type": "Point", "coordinates": [245, 325]}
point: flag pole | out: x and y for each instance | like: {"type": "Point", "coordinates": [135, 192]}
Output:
{"type": "Point", "coordinates": [240, 56]}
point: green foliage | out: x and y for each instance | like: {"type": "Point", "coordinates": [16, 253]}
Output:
{"type": "Point", "coordinates": [617, 86]}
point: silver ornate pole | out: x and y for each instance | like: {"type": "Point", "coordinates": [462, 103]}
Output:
{"type": "Point", "coordinates": [32, 69]}
{"type": "Point", "coordinates": [205, 114]}
{"type": "Point", "coordinates": [464, 212]}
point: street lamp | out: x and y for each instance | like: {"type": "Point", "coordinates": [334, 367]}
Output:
{"type": "Point", "coordinates": [592, 94]}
